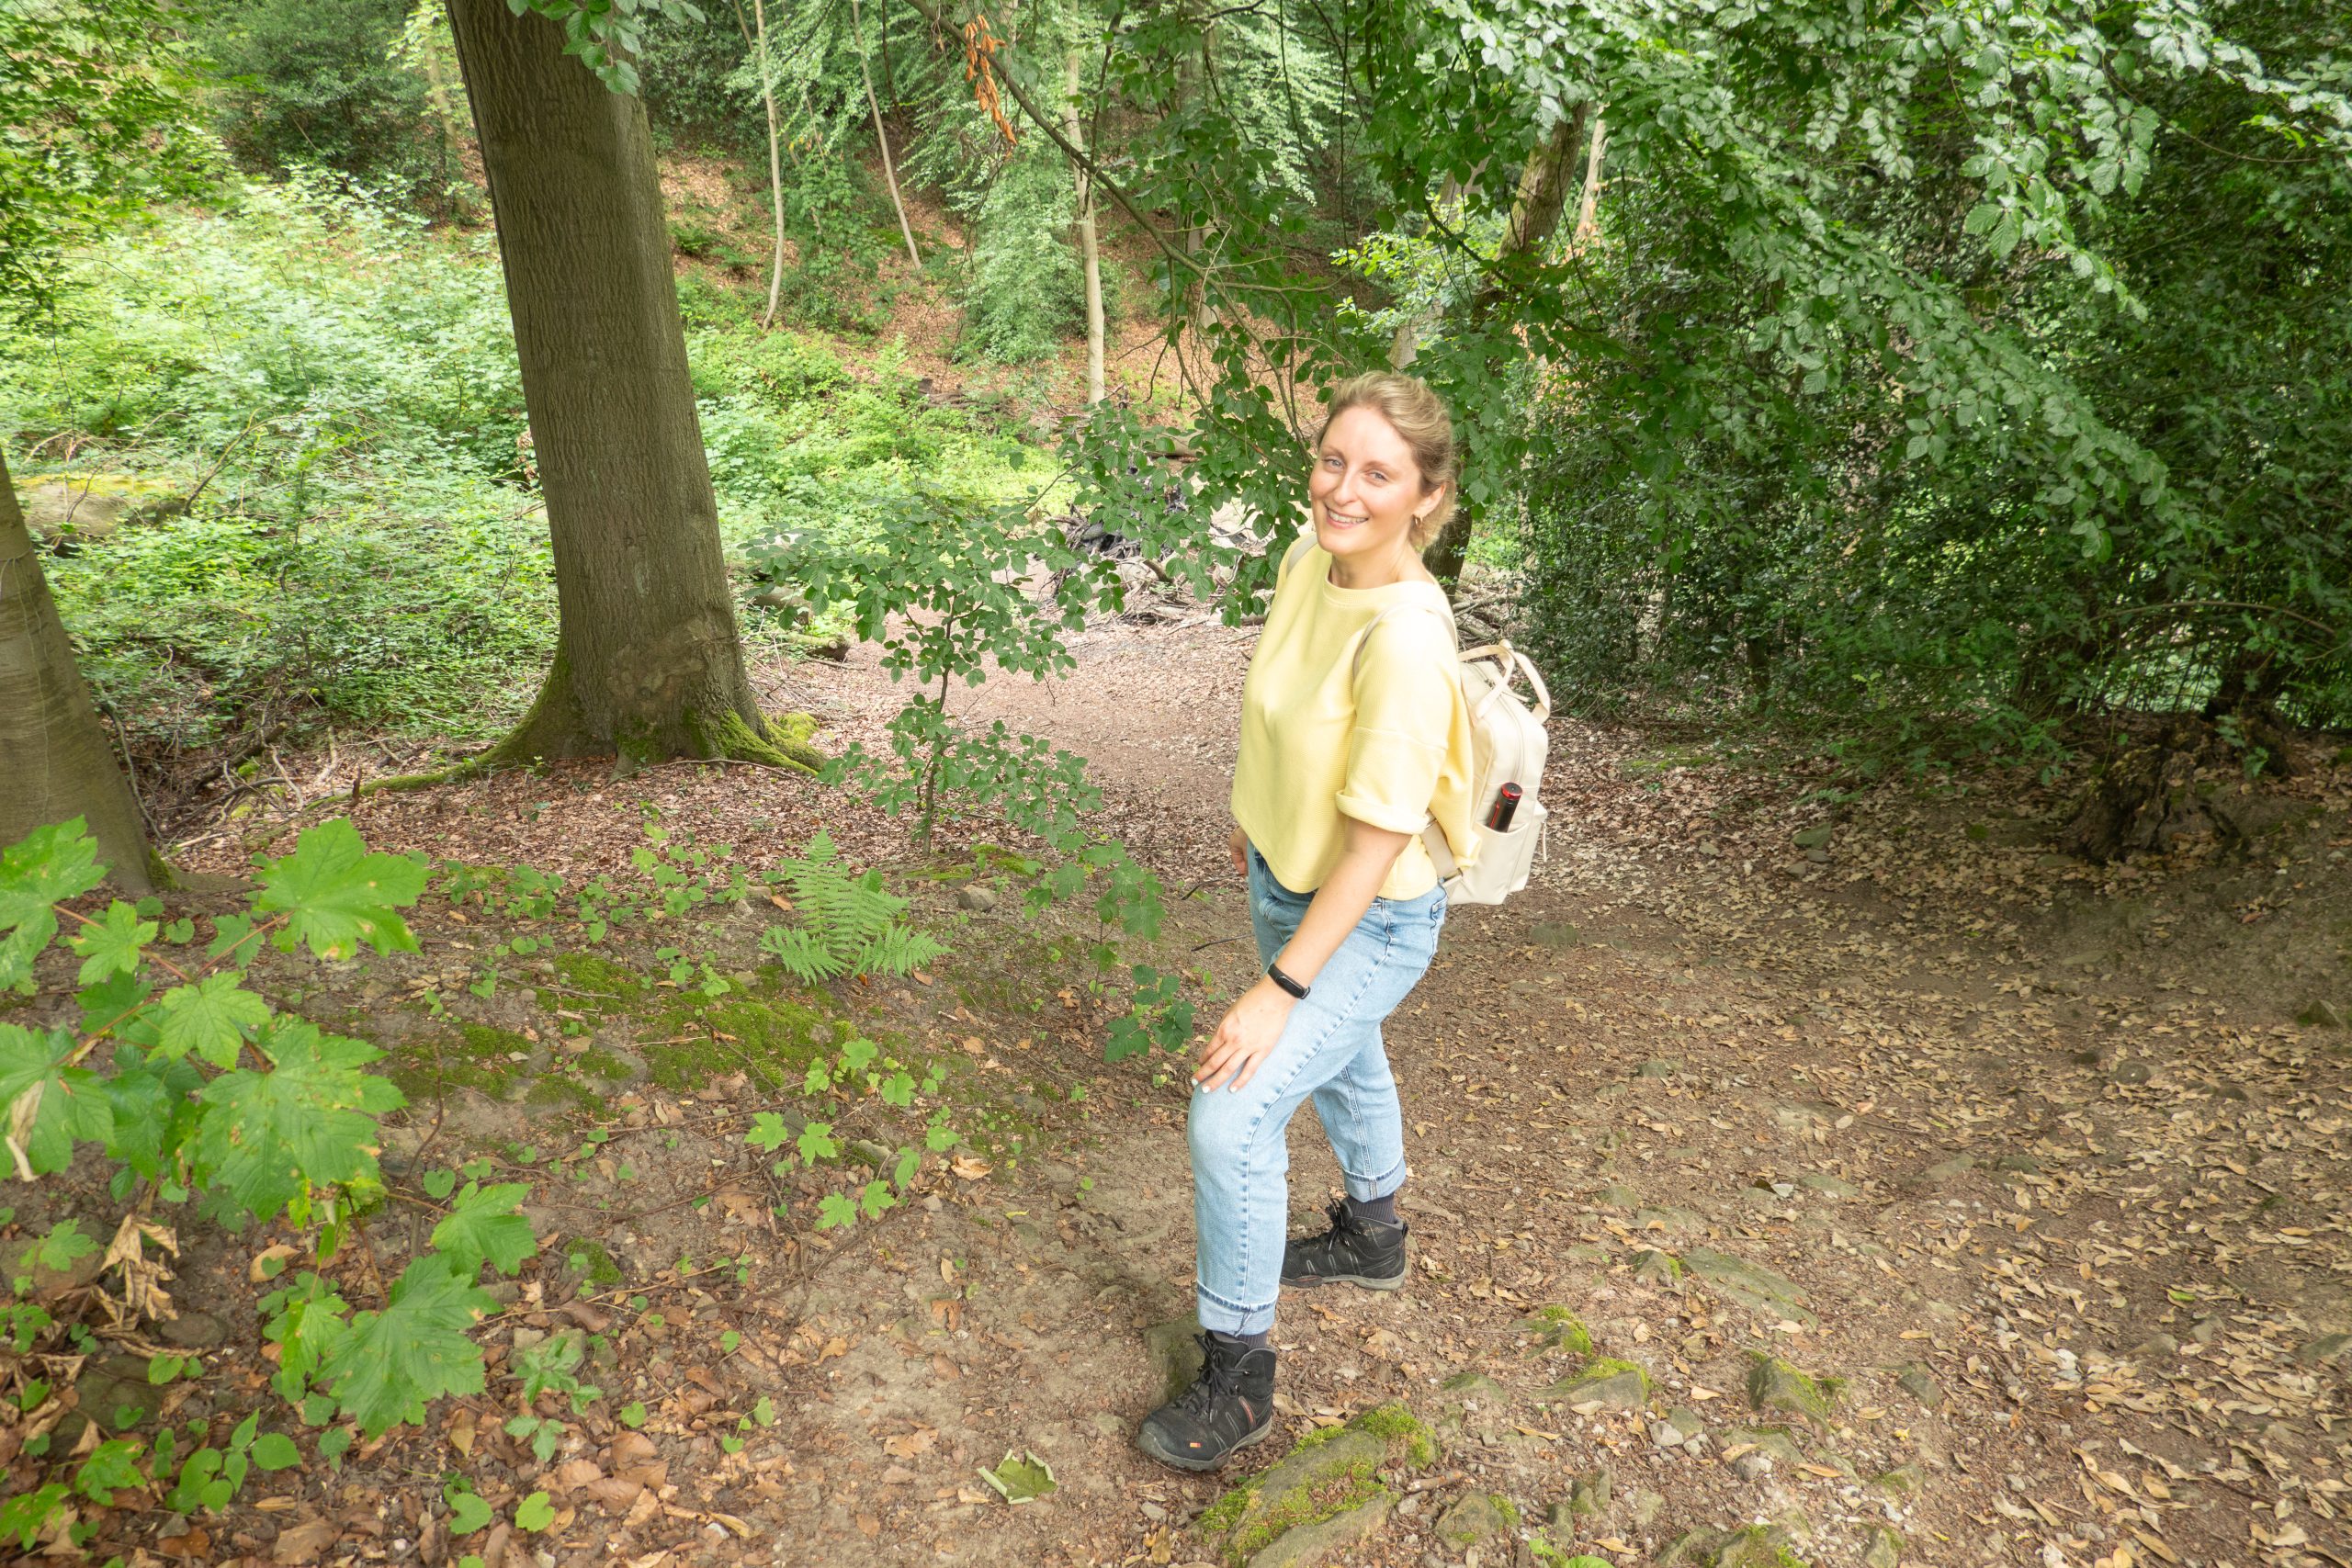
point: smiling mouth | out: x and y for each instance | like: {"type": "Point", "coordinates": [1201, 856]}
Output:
{"type": "Point", "coordinates": [1341, 520]}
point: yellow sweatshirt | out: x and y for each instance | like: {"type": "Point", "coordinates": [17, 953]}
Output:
{"type": "Point", "coordinates": [1327, 732]}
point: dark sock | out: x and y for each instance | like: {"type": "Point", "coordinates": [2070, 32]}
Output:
{"type": "Point", "coordinates": [1255, 1341]}
{"type": "Point", "coordinates": [1379, 1211]}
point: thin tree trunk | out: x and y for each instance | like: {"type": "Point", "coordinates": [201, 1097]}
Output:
{"type": "Point", "coordinates": [775, 161]}
{"type": "Point", "coordinates": [882, 138]}
{"type": "Point", "coordinates": [1405, 346]}
{"type": "Point", "coordinates": [647, 658]}
{"type": "Point", "coordinates": [57, 762]}
{"type": "Point", "coordinates": [1535, 212]}
{"type": "Point", "coordinates": [1089, 250]}
{"type": "Point", "coordinates": [1586, 226]}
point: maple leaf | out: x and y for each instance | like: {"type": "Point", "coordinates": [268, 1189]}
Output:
{"type": "Point", "coordinates": [48, 1105]}
{"type": "Point", "coordinates": [834, 1209]}
{"type": "Point", "coordinates": [152, 1108]}
{"type": "Point", "coordinates": [110, 1001]}
{"type": "Point", "coordinates": [482, 1225]}
{"type": "Point", "coordinates": [335, 895]}
{"type": "Point", "coordinates": [212, 1018]}
{"type": "Point", "coordinates": [309, 1122]}
{"type": "Point", "coordinates": [113, 946]}
{"type": "Point", "coordinates": [387, 1363]}
{"type": "Point", "coordinates": [40, 870]}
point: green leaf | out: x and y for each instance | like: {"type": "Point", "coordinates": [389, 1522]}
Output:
{"type": "Point", "coordinates": [111, 1000]}
{"type": "Point", "coordinates": [276, 1451]}
{"type": "Point", "coordinates": [112, 1467]}
{"type": "Point", "coordinates": [632, 1414]}
{"type": "Point", "coordinates": [534, 1512]}
{"type": "Point", "coordinates": [41, 870]}
{"type": "Point", "coordinates": [113, 946]}
{"type": "Point", "coordinates": [438, 1184]}
{"type": "Point", "coordinates": [816, 1142]}
{"type": "Point", "coordinates": [48, 1105]}
{"type": "Point", "coordinates": [61, 1247]}
{"type": "Point", "coordinates": [910, 1161]}
{"type": "Point", "coordinates": [876, 1200]}
{"type": "Point", "coordinates": [1019, 1477]}
{"type": "Point", "coordinates": [22, 1517]}
{"type": "Point", "coordinates": [212, 1018]}
{"type": "Point", "coordinates": [768, 1133]}
{"type": "Point", "coordinates": [467, 1512]}
{"type": "Point", "coordinates": [833, 1209]}
{"type": "Point", "coordinates": [483, 1226]}
{"type": "Point", "coordinates": [267, 1138]}
{"type": "Point", "coordinates": [391, 1362]}
{"type": "Point", "coordinates": [335, 895]}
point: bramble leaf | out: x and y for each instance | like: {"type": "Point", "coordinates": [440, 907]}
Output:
{"type": "Point", "coordinates": [265, 1138]}
{"type": "Point", "coordinates": [114, 944]}
{"type": "Point", "coordinates": [213, 1018]}
{"type": "Point", "coordinates": [48, 1105]}
{"type": "Point", "coordinates": [483, 1225]}
{"type": "Point", "coordinates": [335, 895]}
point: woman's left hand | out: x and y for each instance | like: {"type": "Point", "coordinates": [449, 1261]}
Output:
{"type": "Point", "coordinates": [1247, 1036]}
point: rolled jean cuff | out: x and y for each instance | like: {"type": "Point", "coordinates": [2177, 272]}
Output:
{"type": "Point", "coordinates": [1221, 1316]}
{"type": "Point", "coordinates": [1368, 1189]}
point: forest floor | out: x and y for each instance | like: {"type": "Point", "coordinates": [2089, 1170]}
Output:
{"type": "Point", "coordinates": [2030, 1156]}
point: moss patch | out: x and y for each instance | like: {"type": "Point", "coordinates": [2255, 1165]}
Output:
{"type": "Point", "coordinates": [1557, 1329]}
{"type": "Point", "coordinates": [773, 1040]}
{"type": "Point", "coordinates": [604, 986]}
{"type": "Point", "coordinates": [478, 1057]}
{"type": "Point", "coordinates": [1405, 1433]}
{"type": "Point", "coordinates": [587, 1261]}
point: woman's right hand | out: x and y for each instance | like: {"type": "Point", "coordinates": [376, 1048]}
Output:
{"type": "Point", "coordinates": [1239, 845]}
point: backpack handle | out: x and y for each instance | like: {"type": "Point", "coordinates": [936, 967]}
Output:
{"type": "Point", "coordinates": [1515, 662]}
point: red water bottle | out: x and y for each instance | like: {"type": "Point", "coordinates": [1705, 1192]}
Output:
{"type": "Point", "coordinates": [1505, 806]}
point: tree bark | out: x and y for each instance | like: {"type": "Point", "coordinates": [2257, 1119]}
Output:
{"type": "Point", "coordinates": [1535, 212]}
{"type": "Point", "coordinates": [775, 158]}
{"type": "Point", "coordinates": [1585, 210]}
{"type": "Point", "coordinates": [1089, 250]}
{"type": "Point", "coordinates": [54, 760]}
{"type": "Point", "coordinates": [882, 137]}
{"type": "Point", "coordinates": [647, 661]}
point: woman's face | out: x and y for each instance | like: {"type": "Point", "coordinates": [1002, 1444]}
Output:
{"type": "Point", "coordinates": [1366, 489]}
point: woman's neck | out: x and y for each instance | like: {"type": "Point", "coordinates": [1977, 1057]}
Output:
{"type": "Point", "coordinates": [1353, 574]}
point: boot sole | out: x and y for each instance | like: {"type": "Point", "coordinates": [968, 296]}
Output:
{"type": "Point", "coordinates": [1145, 1441]}
{"type": "Point", "coordinates": [1307, 1282]}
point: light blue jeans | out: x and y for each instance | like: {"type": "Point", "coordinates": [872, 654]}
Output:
{"type": "Point", "coordinates": [1331, 1048]}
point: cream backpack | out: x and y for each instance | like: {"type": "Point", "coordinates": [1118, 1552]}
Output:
{"type": "Point", "coordinates": [1507, 746]}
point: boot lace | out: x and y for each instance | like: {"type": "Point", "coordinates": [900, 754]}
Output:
{"type": "Point", "coordinates": [1220, 1374]}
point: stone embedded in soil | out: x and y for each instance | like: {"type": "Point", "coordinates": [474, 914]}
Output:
{"type": "Point", "coordinates": [1659, 1267]}
{"type": "Point", "coordinates": [2326, 1349]}
{"type": "Point", "coordinates": [1883, 1548]}
{"type": "Point", "coordinates": [1753, 1286]}
{"type": "Point", "coordinates": [1588, 1495]}
{"type": "Point", "coordinates": [1657, 1067]}
{"type": "Point", "coordinates": [1555, 933]}
{"type": "Point", "coordinates": [1772, 1443]}
{"type": "Point", "coordinates": [1774, 1385]}
{"type": "Point", "coordinates": [1670, 1219]}
{"type": "Point", "coordinates": [1903, 1480]}
{"type": "Point", "coordinates": [972, 896]}
{"type": "Point", "coordinates": [1617, 1196]}
{"type": "Point", "coordinates": [2157, 1348]}
{"type": "Point", "coordinates": [1175, 1351]}
{"type": "Point", "coordinates": [111, 1389]}
{"type": "Point", "coordinates": [1555, 1328]}
{"type": "Point", "coordinates": [2324, 1014]}
{"type": "Point", "coordinates": [1297, 1492]}
{"type": "Point", "coordinates": [193, 1331]}
{"type": "Point", "coordinates": [1944, 1172]}
{"type": "Point", "coordinates": [1828, 1186]}
{"type": "Point", "coordinates": [1612, 1385]}
{"type": "Point", "coordinates": [1306, 1546]}
{"type": "Point", "coordinates": [1475, 1516]}
{"type": "Point", "coordinates": [2129, 1072]}
{"type": "Point", "coordinates": [1918, 1382]}
{"type": "Point", "coordinates": [1472, 1388]}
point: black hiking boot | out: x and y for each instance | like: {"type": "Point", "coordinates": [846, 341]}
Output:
{"type": "Point", "coordinates": [1354, 1251]}
{"type": "Point", "coordinates": [1228, 1408]}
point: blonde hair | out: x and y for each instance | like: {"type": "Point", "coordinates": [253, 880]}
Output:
{"type": "Point", "coordinates": [1418, 415]}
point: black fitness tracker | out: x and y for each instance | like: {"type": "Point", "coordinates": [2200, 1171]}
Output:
{"type": "Point", "coordinates": [1274, 972]}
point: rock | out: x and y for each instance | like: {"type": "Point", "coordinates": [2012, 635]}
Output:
{"type": "Point", "coordinates": [1772, 1444]}
{"type": "Point", "coordinates": [1828, 1186]}
{"type": "Point", "coordinates": [1555, 1328]}
{"type": "Point", "coordinates": [193, 1331]}
{"type": "Point", "coordinates": [1671, 1219]}
{"type": "Point", "coordinates": [2322, 1014]}
{"type": "Point", "coordinates": [1259, 1513]}
{"type": "Point", "coordinates": [1758, 1546]}
{"type": "Point", "coordinates": [1753, 1286]}
{"type": "Point", "coordinates": [1472, 1388]}
{"type": "Point", "coordinates": [84, 507]}
{"type": "Point", "coordinates": [1304, 1546]}
{"type": "Point", "coordinates": [2130, 1070]}
{"type": "Point", "coordinates": [1657, 1067]}
{"type": "Point", "coordinates": [2157, 1348]}
{"type": "Point", "coordinates": [1882, 1548]}
{"type": "Point", "coordinates": [1659, 1267]}
{"type": "Point", "coordinates": [1647, 1505]}
{"type": "Point", "coordinates": [1588, 1495]}
{"type": "Point", "coordinates": [1818, 857]}
{"type": "Point", "coordinates": [1555, 933]}
{"type": "Point", "coordinates": [1475, 1516]}
{"type": "Point", "coordinates": [1915, 1379]}
{"type": "Point", "coordinates": [1610, 1384]}
{"type": "Point", "coordinates": [1774, 1385]}
{"type": "Point", "coordinates": [2023, 1164]}
{"type": "Point", "coordinates": [1944, 1172]}
{"type": "Point", "coordinates": [114, 1393]}
{"type": "Point", "coordinates": [1903, 1481]}
{"type": "Point", "coordinates": [1175, 1351]}
{"type": "Point", "coordinates": [1691, 1549]}
{"type": "Point", "coordinates": [1616, 1197]}
{"type": "Point", "coordinates": [2328, 1347]}
{"type": "Point", "coordinates": [1812, 837]}
{"type": "Point", "coordinates": [972, 896]}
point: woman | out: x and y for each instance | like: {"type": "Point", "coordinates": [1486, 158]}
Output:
{"type": "Point", "coordinates": [1354, 736]}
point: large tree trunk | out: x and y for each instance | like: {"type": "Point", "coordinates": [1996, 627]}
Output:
{"type": "Point", "coordinates": [1535, 212]}
{"type": "Point", "coordinates": [1089, 249]}
{"type": "Point", "coordinates": [54, 760]}
{"type": "Point", "coordinates": [647, 658]}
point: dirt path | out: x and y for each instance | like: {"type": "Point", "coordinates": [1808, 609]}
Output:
{"type": "Point", "coordinates": [2030, 1156]}
{"type": "Point", "coordinates": [1926, 1199]}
